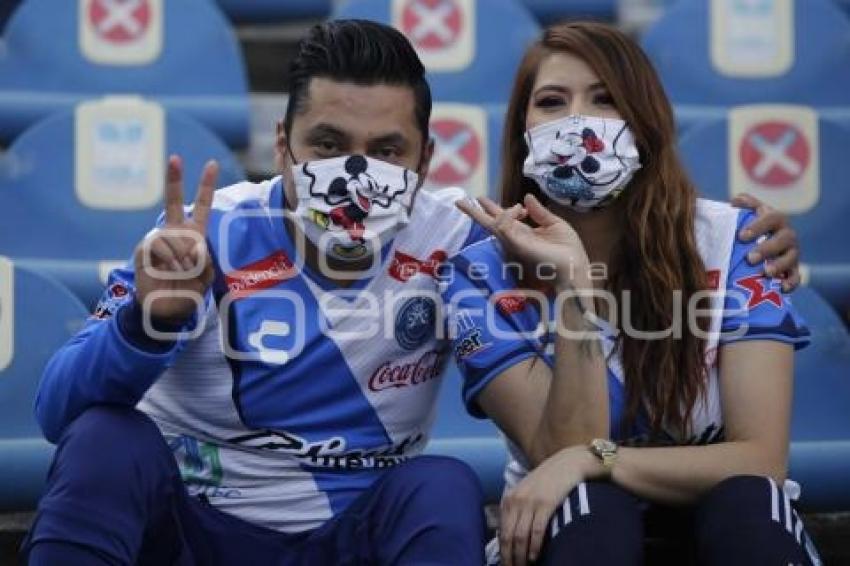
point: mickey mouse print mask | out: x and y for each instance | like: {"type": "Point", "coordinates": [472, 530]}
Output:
{"type": "Point", "coordinates": [581, 162]}
{"type": "Point", "coordinates": [352, 205]}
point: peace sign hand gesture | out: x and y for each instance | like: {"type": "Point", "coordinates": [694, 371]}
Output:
{"type": "Point", "coordinates": [551, 242]}
{"type": "Point", "coordinates": [173, 261]}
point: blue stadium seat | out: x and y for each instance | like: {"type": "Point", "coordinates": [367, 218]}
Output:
{"type": "Point", "coordinates": [86, 279]}
{"type": "Point", "coordinates": [274, 11]}
{"type": "Point", "coordinates": [471, 48]}
{"type": "Point", "coordinates": [790, 157]}
{"type": "Point", "coordinates": [844, 5]}
{"type": "Point", "coordinates": [467, 147]}
{"type": "Point", "coordinates": [97, 208]}
{"type": "Point", "coordinates": [820, 427]}
{"type": "Point", "coordinates": [832, 282]}
{"type": "Point", "coordinates": [37, 316]}
{"type": "Point", "coordinates": [793, 158]}
{"type": "Point", "coordinates": [188, 59]}
{"type": "Point", "coordinates": [755, 53]}
{"type": "Point", "coordinates": [6, 9]}
{"type": "Point", "coordinates": [39, 180]}
{"type": "Point", "coordinates": [553, 11]}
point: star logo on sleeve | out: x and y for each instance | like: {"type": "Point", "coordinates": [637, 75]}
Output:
{"type": "Point", "coordinates": [760, 290]}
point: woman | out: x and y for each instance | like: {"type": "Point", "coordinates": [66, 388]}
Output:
{"type": "Point", "coordinates": [607, 241]}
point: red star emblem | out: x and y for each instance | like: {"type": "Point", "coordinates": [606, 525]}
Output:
{"type": "Point", "coordinates": [760, 291]}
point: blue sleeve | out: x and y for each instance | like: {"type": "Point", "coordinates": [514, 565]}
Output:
{"type": "Point", "coordinates": [490, 327]}
{"type": "Point", "coordinates": [477, 232]}
{"type": "Point", "coordinates": [756, 308]}
{"type": "Point", "coordinates": [110, 361]}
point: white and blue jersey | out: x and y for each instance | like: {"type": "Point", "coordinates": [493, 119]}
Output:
{"type": "Point", "coordinates": [494, 329]}
{"type": "Point", "coordinates": [296, 394]}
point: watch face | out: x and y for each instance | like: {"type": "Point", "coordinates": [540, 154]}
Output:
{"type": "Point", "coordinates": [602, 446]}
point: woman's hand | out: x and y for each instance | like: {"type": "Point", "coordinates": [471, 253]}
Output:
{"type": "Point", "coordinates": [526, 510]}
{"type": "Point", "coordinates": [780, 248]}
{"type": "Point", "coordinates": [552, 243]}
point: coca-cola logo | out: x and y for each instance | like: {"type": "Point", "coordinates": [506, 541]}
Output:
{"type": "Point", "coordinates": [388, 375]}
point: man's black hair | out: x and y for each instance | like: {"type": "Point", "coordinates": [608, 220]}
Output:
{"type": "Point", "coordinates": [361, 52]}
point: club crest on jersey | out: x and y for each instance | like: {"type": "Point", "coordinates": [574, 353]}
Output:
{"type": "Point", "coordinates": [760, 290]}
{"type": "Point", "coordinates": [415, 322]}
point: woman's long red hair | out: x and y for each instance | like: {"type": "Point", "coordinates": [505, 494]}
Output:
{"type": "Point", "coordinates": [657, 254]}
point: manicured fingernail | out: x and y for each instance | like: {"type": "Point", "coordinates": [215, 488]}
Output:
{"type": "Point", "coordinates": [746, 234]}
{"type": "Point", "coordinates": [754, 257]}
{"type": "Point", "coordinates": [770, 271]}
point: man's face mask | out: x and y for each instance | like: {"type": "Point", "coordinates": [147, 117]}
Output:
{"type": "Point", "coordinates": [580, 161]}
{"type": "Point", "coordinates": [352, 205]}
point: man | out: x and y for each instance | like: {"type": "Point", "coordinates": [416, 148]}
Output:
{"type": "Point", "coordinates": [281, 344]}
{"type": "Point", "coordinates": [292, 424]}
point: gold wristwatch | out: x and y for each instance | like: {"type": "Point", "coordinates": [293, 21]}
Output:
{"type": "Point", "coordinates": [605, 450]}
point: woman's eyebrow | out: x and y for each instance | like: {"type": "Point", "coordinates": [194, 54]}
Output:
{"type": "Point", "coordinates": [552, 87]}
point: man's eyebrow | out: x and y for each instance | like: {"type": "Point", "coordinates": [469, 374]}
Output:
{"type": "Point", "coordinates": [393, 138]}
{"type": "Point", "coordinates": [323, 129]}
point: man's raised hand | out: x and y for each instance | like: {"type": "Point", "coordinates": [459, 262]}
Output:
{"type": "Point", "coordinates": [173, 265]}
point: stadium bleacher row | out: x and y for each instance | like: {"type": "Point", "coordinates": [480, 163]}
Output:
{"type": "Point", "coordinates": [762, 96]}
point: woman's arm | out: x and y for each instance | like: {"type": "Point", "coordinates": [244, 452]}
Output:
{"type": "Point", "coordinates": [756, 379]}
{"type": "Point", "coordinates": [544, 410]}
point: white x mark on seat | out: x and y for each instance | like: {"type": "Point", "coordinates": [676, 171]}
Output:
{"type": "Point", "coordinates": [120, 14]}
{"type": "Point", "coordinates": [432, 20]}
{"type": "Point", "coordinates": [447, 150]}
{"type": "Point", "coordinates": [775, 154]}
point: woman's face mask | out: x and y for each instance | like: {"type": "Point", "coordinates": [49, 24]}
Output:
{"type": "Point", "coordinates": [352, 205]}
{"type": "Point", "coordinates": [580, 161]}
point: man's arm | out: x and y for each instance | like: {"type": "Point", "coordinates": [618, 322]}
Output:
{"type": "Point", "coordinates": [114, 359]}
{"type": "Point", "coordinates": [106, 363]}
